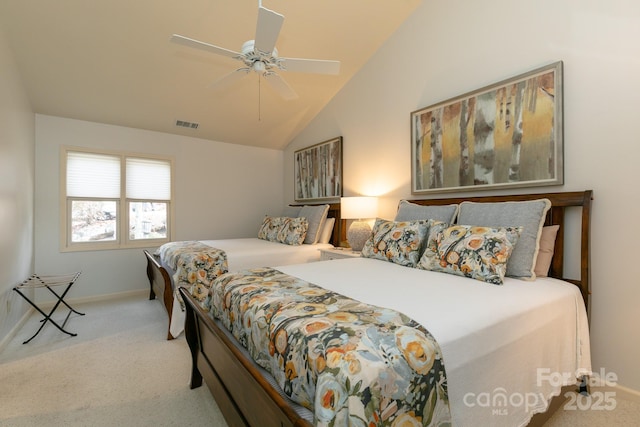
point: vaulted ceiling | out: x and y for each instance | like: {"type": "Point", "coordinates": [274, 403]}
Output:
{"type": "Point", "coordinates": [111, 61]}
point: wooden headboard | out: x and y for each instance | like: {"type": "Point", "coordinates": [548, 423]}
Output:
{"type": "Point", "coordinates": [556, 216]}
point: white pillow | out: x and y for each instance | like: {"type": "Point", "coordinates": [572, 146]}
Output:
{"type": "Point", "coordinates": [327, 230]}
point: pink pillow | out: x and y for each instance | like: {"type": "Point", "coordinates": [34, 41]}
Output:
{"type": "Point", "coordinates": [545, 250]}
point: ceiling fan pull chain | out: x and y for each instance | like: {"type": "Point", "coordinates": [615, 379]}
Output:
{"type": "Point", "coordinates": [259, 97]}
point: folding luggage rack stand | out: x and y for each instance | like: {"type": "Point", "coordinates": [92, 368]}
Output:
{"type": "Point", "coordinates": [39, 281]}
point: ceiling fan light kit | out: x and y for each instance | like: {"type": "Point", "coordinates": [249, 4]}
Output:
{"type": "Point", "coordinates": [257, 60]}
{"type": "Point", "coordinates": [260, 55]}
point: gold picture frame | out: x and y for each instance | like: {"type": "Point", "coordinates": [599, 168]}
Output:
{"type": "Point", "coordinates": [509, 134]}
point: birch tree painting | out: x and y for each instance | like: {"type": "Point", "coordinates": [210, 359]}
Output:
{"type": "Point", "coordinates": [318, 171]}
{"type": "Point", "coordinates": [506, 135]}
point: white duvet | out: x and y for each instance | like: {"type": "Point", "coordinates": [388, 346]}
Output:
{"type": "Point", "coordinates": [253, 252]}
{"type": "Point", "coordinates": [505, 348]}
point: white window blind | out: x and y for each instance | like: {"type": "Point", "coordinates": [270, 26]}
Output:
{"type": "Point", "coordinates": [93, 175]}
{"type": "Point", "coordinates": [148, 179]}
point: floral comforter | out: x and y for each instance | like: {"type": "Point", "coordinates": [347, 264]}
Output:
{"type": "Point", "coordinates": [195, 264]}
{"type": "Point", "coordinates": [349, 362]}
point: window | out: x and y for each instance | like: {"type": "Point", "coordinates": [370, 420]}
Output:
{"type": "Point", "coordinates": [115, 200]}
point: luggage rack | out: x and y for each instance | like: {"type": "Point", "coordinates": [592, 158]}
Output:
{"type": "Point", "coordinates": [49, 281]}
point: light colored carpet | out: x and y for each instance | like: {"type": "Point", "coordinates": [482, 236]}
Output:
{"type": "Point", "coordinates": [625, 414]}
{"type": "Point", "coordinates": [118, 371]}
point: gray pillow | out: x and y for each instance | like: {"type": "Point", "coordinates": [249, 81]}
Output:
{"type": "Point", "coordinates": [529, 215]}
{"type": "Point", "coordinates": [408, 211]}
{"type": "Point", "coordinates": [291, 211]}
{"type": "Point", "coordinates": [315, 217]}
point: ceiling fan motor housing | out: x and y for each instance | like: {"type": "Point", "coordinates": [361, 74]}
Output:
{"type": "Point", "coordinates": [257, 60]}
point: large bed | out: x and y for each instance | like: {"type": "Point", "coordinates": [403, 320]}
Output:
{"type": "Point", "coordinates": [241, 253]}
{"type": "Point", "coordinates": [504, 347]}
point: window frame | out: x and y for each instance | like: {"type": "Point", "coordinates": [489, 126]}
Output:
{"type": "Point", "coordinates": [123, 240]}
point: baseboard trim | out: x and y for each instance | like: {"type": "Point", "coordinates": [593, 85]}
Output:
{"type": "Point", "coordinates": [71, 301]}
{"type": "Point", "coordinates": [98, 298]}
{"type": "Point", "coordinates": [622, 392]}
{"type": "Point", "coordinates": [14, 331]}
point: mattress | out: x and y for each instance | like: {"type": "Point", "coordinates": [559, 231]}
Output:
{"type": "Point", "coordinates": [503, 346]}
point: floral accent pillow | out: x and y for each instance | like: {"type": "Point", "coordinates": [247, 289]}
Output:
{"type": "Point", "coordinates": [281, 229]}
{"type": "Point", "coordinates": [480, 253]}
{"type": "Point", "coordinates": [400, 242]}
{"type": "Point", "coordinates": [269, 228]}
{"type": "Point", "coordinates": [293, 231]}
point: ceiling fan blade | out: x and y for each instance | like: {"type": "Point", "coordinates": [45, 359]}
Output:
{"type": "Point", "coordinates": [268, 29]}
{"type": "Point", "coordinates": [280, 86]}
{"type": "Point", "coordinates": [317, 66]}
{"type": "Point", "coordinates": [228, 79]}
{"type": "Point", "coordinates": [186, 41]}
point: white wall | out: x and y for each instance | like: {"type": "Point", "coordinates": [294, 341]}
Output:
{"type": "Point", "coordinates": [17, 142]}
{"type": "Point", "coordinates": [447, 48]}
{"type": "Point", "coordinates": [221, 191]}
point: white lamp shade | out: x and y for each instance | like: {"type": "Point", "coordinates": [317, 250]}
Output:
{"type": "Point", "coordinates": [360, 207]}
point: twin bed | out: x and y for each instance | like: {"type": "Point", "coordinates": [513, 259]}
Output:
{"type": "Point", "coordinates": [240, 254]}
{"type": "Point", "coordinates": [503, 347]}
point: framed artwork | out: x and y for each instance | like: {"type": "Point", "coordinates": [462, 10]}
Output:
{"type": "Point", "coordinates": [318, 171]}
{"type": "Point", "coordinates": [508, 134]}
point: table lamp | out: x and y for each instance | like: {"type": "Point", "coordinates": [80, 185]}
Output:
{"type": "Point", "coordinates": [359, 209]}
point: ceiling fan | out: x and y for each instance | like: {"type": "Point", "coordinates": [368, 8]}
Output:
{"type": "Point", "coordinates": [260, 55]}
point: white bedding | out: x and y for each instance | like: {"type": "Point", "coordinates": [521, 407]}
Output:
{"type": "Point", "coordinates": [510, 342]}
{"type": "Point", "coordinates": [251, 253]}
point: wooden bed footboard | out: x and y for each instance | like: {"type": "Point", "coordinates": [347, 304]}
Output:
{"type": "Point", "coordinates": [241, 392]}
{"type": "Point", "coordinates": [160, 285]}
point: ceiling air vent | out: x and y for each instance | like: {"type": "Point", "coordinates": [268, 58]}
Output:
{"type": "Point", "coordinates": [184, 124]}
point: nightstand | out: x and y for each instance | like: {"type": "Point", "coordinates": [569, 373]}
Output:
{"type": "Point", "coordinates": [338, 253]}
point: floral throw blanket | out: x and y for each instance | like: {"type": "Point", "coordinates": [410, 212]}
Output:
{"type": "Point", "coordinates": [349, 362]}
{"type": "Point", "coordinates": [195, 264]}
